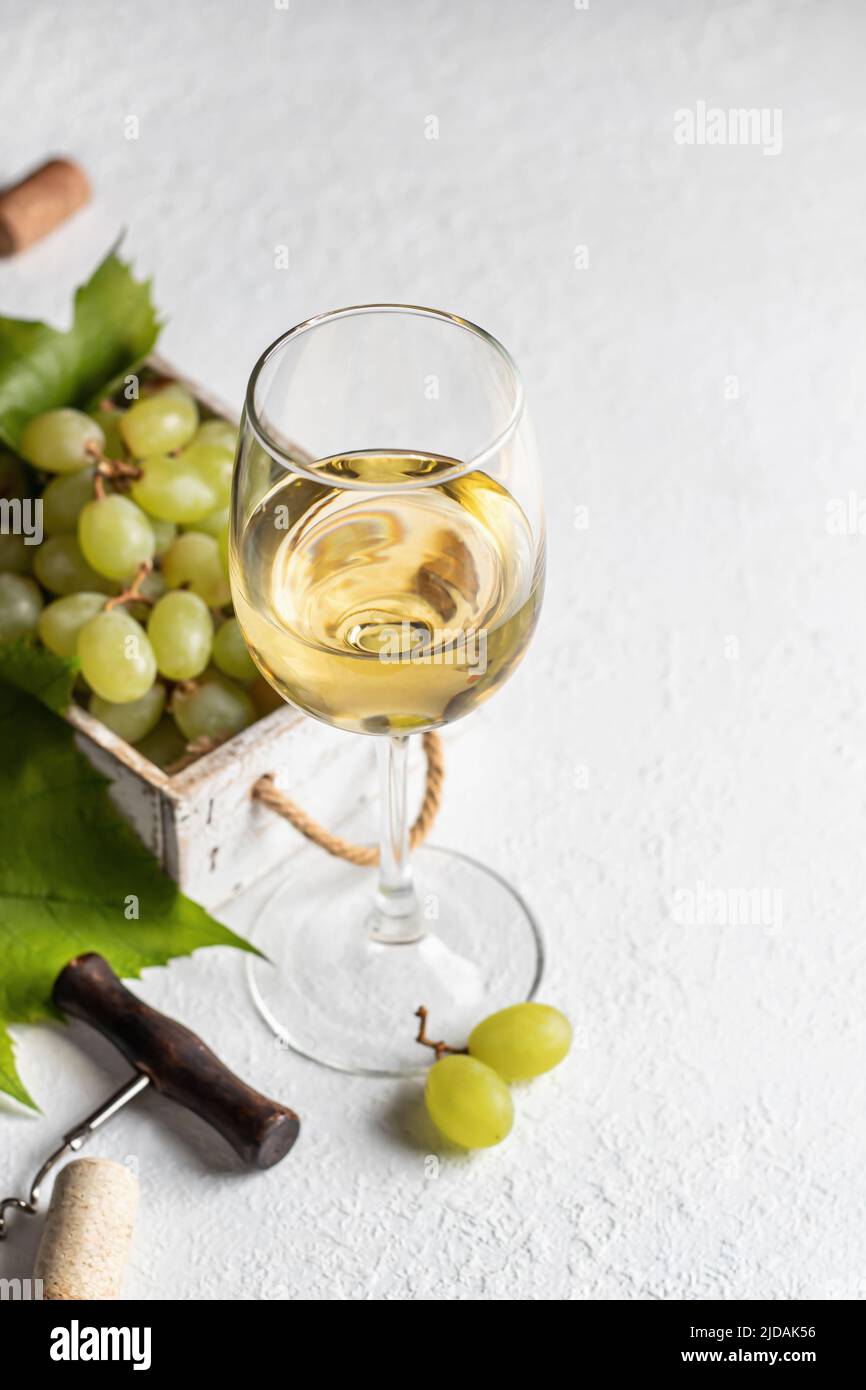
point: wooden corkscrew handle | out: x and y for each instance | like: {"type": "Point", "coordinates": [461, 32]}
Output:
{"type": "Point", "coordinates": [177, 1063]}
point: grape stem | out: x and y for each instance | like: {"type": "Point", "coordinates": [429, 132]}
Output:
{"type": "Point", "coordinates": [118, 471]}
{"type": "Point", "coordinates": [133, 593]}
{"type": "Point", "coordinates": [440, 1048]}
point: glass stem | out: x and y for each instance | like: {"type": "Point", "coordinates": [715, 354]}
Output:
{"type": "Point", "coordinates": [397, 915]}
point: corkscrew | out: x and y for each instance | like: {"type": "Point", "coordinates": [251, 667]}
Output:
{"type": "Point", "coordinates": [171, 1059]}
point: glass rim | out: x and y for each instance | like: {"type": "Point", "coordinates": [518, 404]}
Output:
{"type": "Point", "coordinates": [276, 451]}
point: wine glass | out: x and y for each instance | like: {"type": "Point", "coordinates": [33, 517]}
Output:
{"type": "Point", "coordinates": [387, 569]}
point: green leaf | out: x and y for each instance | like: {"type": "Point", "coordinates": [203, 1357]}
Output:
{"type": "Point", "coordinates": [10, 1081]}
{"type": "Point", "coordinates": [114, 326]}
{"type": "Point", "coordinates": [69, 868]}
{"type": "Point", "coordinates": [37, 671]}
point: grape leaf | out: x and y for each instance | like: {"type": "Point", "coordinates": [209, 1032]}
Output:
{"type": "Point", "coordinates": [114, 326]}
{"type": "Point", "coordinates": [39, 672]}
{"type": "Point", "coordinates": [70, 870]}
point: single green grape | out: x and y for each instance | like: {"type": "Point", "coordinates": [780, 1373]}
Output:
{"type": "Point", "coordinates": [115, 536]}
{"type": "Point", "coordinates": [215, 465]}
{"type": "Point", "coordinates": [16, 556]}
{"type": "Point", "coordinates": [231, 654]}
{"type": "Point", "coordinates": [63, 500]}
{"type": "Point", "coordinates": [62, 441]}
{"type": "Point", "coordinates": [522, 1041]}
{"type": "Point", "coordinates": [117, 660]}
{"type": "Point", "coordinates": [213, 708]}
{"type": "Point", "coordinates": [181, 634]}
{"type": "Point", "coordinates": [468, 1102]}
{"type": "Point", "coordinates": [164, 532]}
{"type": "Point", "coordinates": [215, 524]}
{"type": "Point", "coordinates": [173, 490]}
{"type": "Point", "coordinates": [135, 719]}
{"type": "Point", "coordinates": [61, 621]}
{"type": "Point", "coordinates": [217, 432]}
{"type": "Point", "coordinates": [20, 606]}
{"type": "Point", "coordinates": [164, 744]}
{"type": "Point", "coordinates": [62, 569]}
{"type": "Point", "coordinates": [160, 423]}
{"type": "Point", "coordinates": [194, 562]}
{"type": "Point", "coordinates": [109, 423]}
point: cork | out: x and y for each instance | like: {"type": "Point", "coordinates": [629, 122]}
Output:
{"type": "Point", "coordinates": [88, 1230]}
{"type": "Point", "coordinates": [32, 208]}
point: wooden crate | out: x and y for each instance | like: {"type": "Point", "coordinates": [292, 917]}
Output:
{"type": "Point", "coordinates": [202, 823]}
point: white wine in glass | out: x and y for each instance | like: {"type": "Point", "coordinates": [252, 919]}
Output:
{"type": "Point", "coordinates": [388, 590]}
{"type": "Point", "coordinates": [387, 614]}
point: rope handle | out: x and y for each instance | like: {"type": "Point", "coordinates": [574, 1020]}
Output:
{"type": "Point", "coordinates": [265, 791]}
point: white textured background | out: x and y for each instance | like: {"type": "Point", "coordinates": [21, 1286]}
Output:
{"type": "Point", "coordinates": [701, 663]}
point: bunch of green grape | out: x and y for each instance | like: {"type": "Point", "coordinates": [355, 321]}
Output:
{"type": "Point", "coordinates": [467, 1093]}
{"type": "Point", "coordinates": [130, 577]}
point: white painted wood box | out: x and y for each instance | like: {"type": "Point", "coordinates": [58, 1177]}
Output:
{"type": "Point", "coordinates": [201, 823]}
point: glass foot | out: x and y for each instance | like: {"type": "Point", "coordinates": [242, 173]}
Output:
{"type": "Point", "coordinates": [332, 993]}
